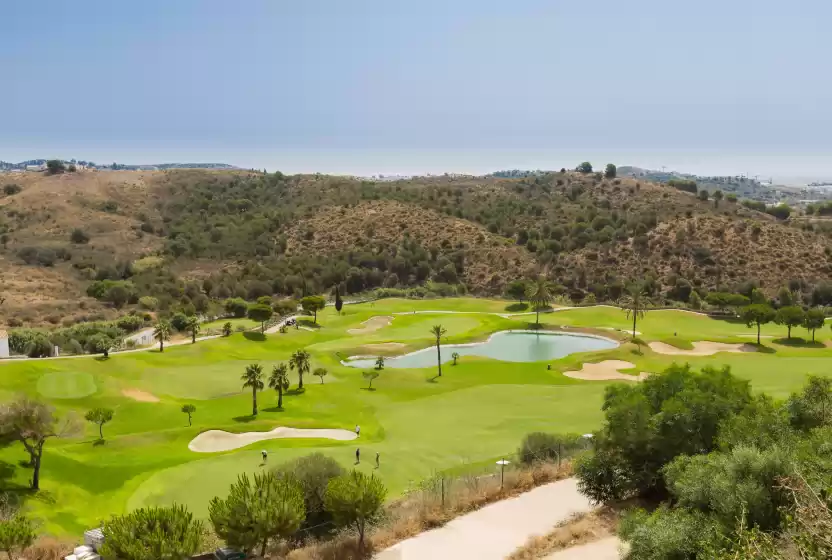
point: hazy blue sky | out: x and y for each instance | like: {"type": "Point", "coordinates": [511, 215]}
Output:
{"type": "Point", "coordinates": [431, 85]}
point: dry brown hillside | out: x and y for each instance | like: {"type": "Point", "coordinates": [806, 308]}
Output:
{"type": "Point", "coordinates": [490, 260]}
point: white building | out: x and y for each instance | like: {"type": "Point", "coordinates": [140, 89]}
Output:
{"type": "Point", "coordinates": [4, 344]}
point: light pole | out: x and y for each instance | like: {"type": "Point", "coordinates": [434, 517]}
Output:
{"type": "Point", "coordinates": [502, 463]}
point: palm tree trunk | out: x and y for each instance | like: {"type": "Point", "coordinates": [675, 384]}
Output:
{"type": "Point", "coordinates": [101, 431]}
{"type": "Point", "coordinates": [161, 346]}
{"type": "Point", "coordinates": [634, 323]}
{"type": "Point", "coordinates": [789, 331]}
{"type": "Point", "coordinates": [189, 419]}
{"type": "Point", "coordinates": [537, 316]}
{"type": "Point", "coordinates": [193, 337]}
{"type": "Point", "coordinates": [300, 379]}
{"type": "Point", "coordinates": [254, 401]}
{"type": "Point", "coordinates": [758, 333]}
{"type": "Point", "coordinates": [280, 397]}
{"type": "Point", "coordinates": [439, 358]}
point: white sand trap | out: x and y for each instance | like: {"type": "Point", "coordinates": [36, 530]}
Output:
{"type": "Point", "coordinates": [605, 371]}
{"type": "Point", "coordinates": [701, 348]}
{"type": "Point", "coordinates": [218, 440]}
{"type": "Point", "coordinates": [372, 324]}
{"type": "Point", "coordinates": [384, 347]}
{"type": "Point", "coordinates": [141, 396]}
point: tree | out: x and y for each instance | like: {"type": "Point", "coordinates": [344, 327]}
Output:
{"type": "Point", "coordinates": [99, 416]}
{"type": "Point", "coordinates": [33, 423]}
{"type": "Point", "coordinates": [161, 332]}
{"type": "Point", "coordinates": [236, 307]}
{"type": "Point", "coordinates": [758, 296]}
{"type": "Point", "coordinates": [380, 363]}
{"type": "Point", "coordinates": [313, 472]}
{"type": "Point", "coordinates": [813, 320]}
{"type": "Point", "coordinates": [785, 297]}
{"type": "Point", "coordinates": [258, 511]}
{"type": "Point", "coordinates": [703, 194]}
{"type": "Point", "coordinates": [585, 167]}
{"type": "Point", "coordinates": [355, 500]}
{"type": "Point", "coordinates": [17, 533]}
{"type": "Point", "coordinates": [812, 407]}
{"type": "Point", "coordinates": [253, 378]}
{"type": "Point", "coordinates": [695, 301]}
{"type": "Point", "coordinates": [339, 303]}
{"type": "Point", "coordinates": [261, 313]}
{"type": "Point", "coordinates": [517, 290]}
{"type": "Point", "coordinates": [757, 314]}
{"type": "Point", "coordinates": [718, 196]}
{"type": "Point", "coordinates": [610, 171]}
{"type": "Point", "coordinates": [540, 294]}
{"type": "Point", "coordinates": [455, 357]}
{"type": "Point", "coordinates": [55, 167]}
{"type": "Point", "coordinates": [189, 409]}
{"type": "Point", "coordinates": [156, 533]}
{"type": "Point", "coordinates": [648, 425]}
{"type": "Point", "coordinates": [635, 302]}
{"type": "Point", "coordinates": [99, 343]}
{"type": "Point", "coordinates": [279, 381]}
{"type": "Point", "coordinates": [313, 304]}
{"type": "Point", "coordinates": [300, 362]}
{"type": "Point", "coordinates": [320, 372]}
{"type": "Point", "coordinates": [790, 316]}
{"type": "Point", "coordinates": [193, 326]}
{"type": "Point", "coordinates": [438, 332]}
{"type": "Point", "coordinates": [370, 376]}
{"type": "Point", "coordinates": [226, 329]}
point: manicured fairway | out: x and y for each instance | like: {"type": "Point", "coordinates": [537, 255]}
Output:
{"type": "Point", "coordinates": [476, 412]}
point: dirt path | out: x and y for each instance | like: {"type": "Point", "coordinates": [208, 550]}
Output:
{"type": "Point", "coordinates": [604, 549]}
{"type": "Point", "coordinates": [497, 530]}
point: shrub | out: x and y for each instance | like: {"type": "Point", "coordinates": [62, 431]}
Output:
{"type": "Point", "coordinates": [540, 446]}
{"type": "Point", "coordinates": [164, 533]}
{"type": "Point", "coordinates": [11, 189]}
{"type": "Point", "coordinates": [79, 236]}
{"type": "Point", "coordinates": [314, 473]}
{"type": "Point", "coordinates": [670, 534]}
{"type": "Point", "coordinates": [236, 307]}
{"type": "Point", "coordinates": [179, 321]}
{"type": "Point", "coordinates": [148, 302]}
{"type": "Point", "coordinates": [130, 323]}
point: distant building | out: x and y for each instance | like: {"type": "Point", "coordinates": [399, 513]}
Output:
{"type": "Point", "coordinates": [4, 344]}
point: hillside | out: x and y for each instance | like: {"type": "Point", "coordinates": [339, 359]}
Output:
{"type": "Point", "coordinates": [213, 234]}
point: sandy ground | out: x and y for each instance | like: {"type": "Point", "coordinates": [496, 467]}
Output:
{"type": "Point", "coordinates": [602, 549]}
{"type": "Point", "coordinates": [384, 347]}
{"type": "Point", "coordinates": [497, 530]}
{"type": "Point", "coordinates": [701, 348]}
{"type": "Point", "coordinates": [605, 371]}
{"type": "Point", "coordinates": [141, 396]}
{"type": "Point", "coordinates": [372, 324]}
{"type": "Point", "coordinates": [218, 440]}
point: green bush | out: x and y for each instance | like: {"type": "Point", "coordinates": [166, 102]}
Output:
{"type": "Point", "coordinates": [540, 446]}
{"type": "Point", "coordinates": [670, 534]}
{"type": "Point", "coordinates": [164, 533]}
{"type": "Point", "coordinates": [314, 473]}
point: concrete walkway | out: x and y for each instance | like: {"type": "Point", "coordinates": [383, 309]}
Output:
{"type": "Point", "coordinates": [497, 530]}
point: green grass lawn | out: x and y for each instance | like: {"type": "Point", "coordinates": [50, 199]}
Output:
{"type": "Point", "coordinates": [477, 411]}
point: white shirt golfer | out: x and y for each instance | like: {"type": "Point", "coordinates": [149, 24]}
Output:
{"type": "Point", "coordinates": [357, 430]}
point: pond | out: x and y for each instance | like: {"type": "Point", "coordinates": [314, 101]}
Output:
{"type": "Point", "coordinates": [507, 346]}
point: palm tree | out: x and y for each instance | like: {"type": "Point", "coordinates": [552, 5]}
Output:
{"type": "Point", "coordinates": [279, 381]}
{"type": "Point", "coordinates": [455, 356]}
{"type": "Point", "coordinates": [188, 409]}
{"type": "Point", "coordinates": [193, 326]}
{"type": "Point", "coordinates": [226, 329]}
{"type": "Point", "coordinates": [253, 377]}
{"type": "Point", "coordinates": [540, 294]}
{"type": "Point", "coordinates": [634, 302]}
{"type": "Point", "coordinates": [438, 331]}
{"type": "Point", "coordinates": [300, 362]}
{"type": "Point", "coordinates": [162, 333]}
{"type": "Point", "coordinates": [380, 363]}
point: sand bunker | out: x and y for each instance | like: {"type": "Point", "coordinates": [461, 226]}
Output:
{"type": "Point", "coordinates": [218, 440]}
{"type": "Point", "coordinates": [701, 348]}
{"type": "Point", "coordinates": [372, 324]}
{"type": "Point", "coordinates": [141, 396]}
{"type": "Point", "coordinates": [605, 371]}
{"type": "Point", "coordinates": [384, 347]}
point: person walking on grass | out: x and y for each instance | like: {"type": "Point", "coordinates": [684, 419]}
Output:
{"type": "Point", "coordinates": [357, 455]}
{"type": "Point", "coordinates": [357, 430]}
{"type": "Point", "coordinates": [265, 455]}
{"type": "Point", "coordinates": [378, 459]}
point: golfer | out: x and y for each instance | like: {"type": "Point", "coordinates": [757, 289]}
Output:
{"type": "Point", "coordinates": [357, 430]}
{"type": "Point", "coordinates": [265, 455]}
{"type": "Point", "coordinates": [357, 455]}
{"type": "Point", "coordinates": [378, 459]}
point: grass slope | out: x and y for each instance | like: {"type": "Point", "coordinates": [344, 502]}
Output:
{"type": "Point", "coordinates": [477, 412]}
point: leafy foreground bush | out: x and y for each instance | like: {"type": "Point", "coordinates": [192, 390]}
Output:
{"type": "Point", "coordinates": [164, 533]}
{"type": "Point", "coordinates": [313, 472]}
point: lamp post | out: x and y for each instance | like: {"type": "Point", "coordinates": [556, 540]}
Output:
{"type": "Point", "coordinates": [502, 463]}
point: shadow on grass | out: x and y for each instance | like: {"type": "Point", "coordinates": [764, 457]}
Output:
{"type": "Point", "coordinates": [368, 389]}
{"type": "Point", "coordinates": [245, 419]}
{"type": "Point", "coordinates": [762, 348]}
{"type": "Point", "coordinates": [798, 343]}
{"type": "Point", "coordinates": [517, 307]}
{"type": "Point", "coordinates": [102, 358]}
{"type": "Point", "coordinates": [98, 443]}
{"type": "Point", "coordinates": [308, 324]}
{"type": "Point", "coordinates": [295, 391]}
{"type": "Point", "coordinates": [254, 336]}
{"type": "Point", "coordinates": [274, 409]}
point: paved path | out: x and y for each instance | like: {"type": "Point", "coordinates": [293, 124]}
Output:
{"type": "Point", "coordinates": [603, 549]}
{"type": "Point", "coordinates": [497, 530]}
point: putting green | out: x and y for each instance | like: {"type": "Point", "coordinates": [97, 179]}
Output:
{"type": "Point", "coordinates": [66, 385]}
{"type": "Point", "coordinates": [478, 411]}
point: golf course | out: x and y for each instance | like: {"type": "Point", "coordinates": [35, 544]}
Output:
{"type": "Point", "coordinates": [419, 423]}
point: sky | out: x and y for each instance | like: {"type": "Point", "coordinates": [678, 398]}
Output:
{"type": "Point", "coordinates": [366, 87]}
